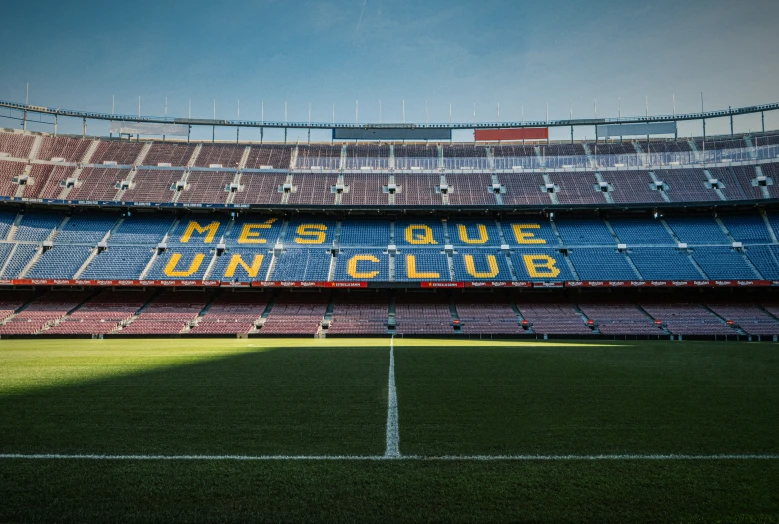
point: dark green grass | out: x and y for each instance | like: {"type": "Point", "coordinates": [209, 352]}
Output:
{"type": "Point", "coordinates": [329, 397]}
{"type": "Point", "coordinates": [240, 400]}
{"type": "Point", "coordinates": [658, 397]}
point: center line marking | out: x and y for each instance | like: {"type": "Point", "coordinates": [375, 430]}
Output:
{"type": "Point", "coordinates": [393, 431]}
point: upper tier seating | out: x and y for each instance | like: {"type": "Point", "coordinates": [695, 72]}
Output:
{"type": "Point", "coordinates": [207, 187]}
{"type": "Point", "coordinates": [16, 145]}
{"type": "Point", "coordinates": [303, 264]}
{"type": "Point", "coordinates": [71, 149]}
{"type": "Point", "coordinates": [417, 190]}
{"type": "Point", "coordinates": [226, 155]}
{"type": "Point", "coordinates": [48, 181]}
{"type": "Point", "coordinates": [365, 189]}
{"type": "Point", "coordinates": [177, 155]}
{"type": "Point", "coordinates": [152, 185]}
{"type": "Point", "coordinates": [8, 171]}
{"type": "Point", "coordinates": [7, 219]}
{"type": "Point", "coordinates": [276, 156]}
{"type": "Point", "coordinates": [98, 184]}
{"type": "Point", "coordinates": [260, 188]}
{"type": "Point", "coordinates": [474, 189]}
{"type": "Point", "coordinates": [122, 152]}
{"type": "Point", "coordinates": [313, 189]}
{"type": "Point", "coordinates": [61, 261]}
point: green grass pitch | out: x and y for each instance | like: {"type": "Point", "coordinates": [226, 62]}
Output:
{"type": "Point", "coordinates": [328, 398]}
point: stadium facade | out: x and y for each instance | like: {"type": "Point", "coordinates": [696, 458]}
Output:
{"type": "Point", "coordinates": [118, 237]}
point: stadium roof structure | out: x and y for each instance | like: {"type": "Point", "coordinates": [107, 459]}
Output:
{"type": "Point", "coordinates": [27, 109]}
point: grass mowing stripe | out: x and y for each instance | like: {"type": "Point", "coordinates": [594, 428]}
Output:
{"type": "Point", "coordinates": [447, 458]}
{"type": "Point", "coordinates": [393, 430]}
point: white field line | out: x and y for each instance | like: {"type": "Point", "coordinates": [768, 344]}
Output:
{"type": "Point", "coordinates": [443, 458]}
{"type": "Point", "coordinates": [393, 431]}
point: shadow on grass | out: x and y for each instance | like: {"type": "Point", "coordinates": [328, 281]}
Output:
{"type": "Point", "coordinates": [290, 401]}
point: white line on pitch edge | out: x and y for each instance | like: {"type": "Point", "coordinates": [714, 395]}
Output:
{"type": "Point", "coordinates": [393, 431]}
{"type": "Point", "coordinates": [441, 458]}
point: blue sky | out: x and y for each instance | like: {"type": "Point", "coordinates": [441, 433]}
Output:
{"type": "Point", "coordinates": [78, 54]}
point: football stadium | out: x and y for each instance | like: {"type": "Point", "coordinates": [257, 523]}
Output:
{"type": "Point", "coordinates": [225, 319]}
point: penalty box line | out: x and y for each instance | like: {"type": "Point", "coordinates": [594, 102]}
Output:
{"type": "Point", "coordinates": [441, 458]}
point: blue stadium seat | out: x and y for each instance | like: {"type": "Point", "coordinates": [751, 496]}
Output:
{"type": "Point", "coordinates": [140, 229]}
{"type": "Point", "coordinates": [428, 264]}
{"type": "Point", "coordinates": [601, 264]}
{"type": "Point", "coordinates": [722, 263]}
{"type": "Point", "coordinates": [355, 232]}
{"type": "Point", "coordinates": [530, 230]}
{"type": "Point", "coordinates": [119, 263]}
{"type": "Point", "coordinates": [584, 231]}
{"type": "Point", "coordinates": [186, 262]}
{"type": "Point", "coordinates": [20, 258]}
{"type": "Point", "coordinates": [86, 229]}
{"type": "Point", "coordinates": [61, 261]}
{"type": "Point", "coordinates": [765, 260]}
{"type": "Point", "coordinates": [660, 263]}
{"type": "Point", "coordinates": [698, 230]}
{"type": "Point", "coordinates": [641, 231]}
{"type": "Point", "coordinates": [6, 221]}
{"type": "Point", "coordinates": [367, 267]}
{"type": "Point", "coordinates": [307, 233]}
{"type": "Point", "coordinates": [541, 264]}
{"type": "Point", "coordinates": [474, 233]}
{"type": "Point", "coordinates": [481, 269]}
{"type": "Point", "coordinates": [747, 228]}
{"type": "Point", "coordinates": [303, 265]}
{"type": "Point", "coordinates": [420, 232]}
{"type": "Point", "coordinates": [198, 236]}
{"type": "Point", "coordinates": [37, 226]}
{"type": "Point", "coordinates": [239, 272]}
{"type": "Point", "coordinates": [254, 229]}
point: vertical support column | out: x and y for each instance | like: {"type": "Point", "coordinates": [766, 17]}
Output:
{"type": "Point", "coordinates": [84, 129]}
{"type": "Point", "coordinates": [731, 123]}
{"type": "Point", "coordinates": [285, 135]}
{"type": "Point", "coordinates": [262, 133]}
{"type": "Point", "coordinates": [762, 119]}
{"type": "Point", "coordinates": [571, 134]}
{"type": "Point", "coordinates": [237, 134]}
{"type": "Point", "coordinates": [189, 132]}
{"type": "Point", "coordinates": [55, 125]}
{"type": "Point", "coordinates": [704, 130]}
{"type": "Point", "coordinates": [213, 134]}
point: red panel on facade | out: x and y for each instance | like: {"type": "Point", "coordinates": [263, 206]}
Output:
{"type": "Point", "coordinates": [523, 133]}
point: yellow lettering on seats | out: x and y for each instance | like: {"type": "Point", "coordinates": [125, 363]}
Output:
{"type": "Point", "coordinates": [249, 236]}
{"type": "Point", "coordinates": [482, 234]}
{"type": "Point", "coordinates": [237, 260]}
{"type": "Point", "coordinates": [426, 237]}
{"type": "Point", "coordinates": [525, 237]}
{"type": "Point", "coordinates": [471, 267]}
{"type": "Point", "coordinates": [351, 267]}
{"type": "Point", "coordinates": [317, 231]}
{"type": "Point", "coordinates": [171, 271]}
{"type": "Point", "coordinates": [193, 227]}
{"type": "Point", "coordinates": [534, 263]}
{"type": "Point", "coordinates": [411, 269]}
